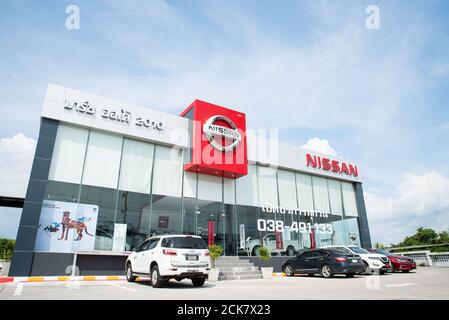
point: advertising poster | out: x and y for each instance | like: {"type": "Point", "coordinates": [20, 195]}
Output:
{"type": "Point", "coordinates": [66, 227]}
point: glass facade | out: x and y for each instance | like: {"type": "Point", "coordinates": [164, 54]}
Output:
{"type": "Point", "coordinates": [143, 186]}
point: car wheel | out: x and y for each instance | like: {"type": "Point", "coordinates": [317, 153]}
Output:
{"type": "Point", "coordinates": [198, 282]}
{"type": "Point", "coordinates": [256, 251]}
{"type": "Point", "coordinates": [367, 268]}
{"type": "Point", "coordinates": [290, 251]}
{"type": "Point", "coordinates": [288, 270]}
{"type": "Point", "coordinates": [349, 275]}
{"type": "Point", "coordinates": [129, 273]}
{"type": "Point", "coordinates": [156, 280]}
{"type": "Point", "coordinates": [326, 271]}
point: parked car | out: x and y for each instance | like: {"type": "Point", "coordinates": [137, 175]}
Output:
{"type": "Point", "coordinates": [289, 247]}
{"type": "Point", "coordinates": [398, 263]}
{"type": "Point", "coordinates": [170, 257]}
{"type": "Point", "coordinates": [326, 262]}
{"type": "Point", "coordinates": [373, 261]}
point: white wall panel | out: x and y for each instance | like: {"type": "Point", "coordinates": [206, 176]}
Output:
{"type": "Point", "coordinates": [304, 191]}
{"type": "Point", "coordinates": [246, 188]}
{"type": "Point", "coordinates": [267, 185]}
{"type": "Point", "coordinates": [229, 191]}
{"type": "Point", "coordinates": [168, 168]}
{"type": "Point", "coordinates": [68, 154]}
{"type": "Point", "coordinates": [320, 194]}
{"type": "Point", "coordinates": [349, 202]}
{"type": "Point", "coordinates": [189, 184]}
{"type": "Point", "coordinates": [287, 189]}
{"type": "Point", "coordinates": [136, 166]}
{"type": "Point", "coordinates": [102, 160]}
{"type": "Point", "coordinates": [335, 197]}
{"type": "Point", "coordinates": [210, 187]}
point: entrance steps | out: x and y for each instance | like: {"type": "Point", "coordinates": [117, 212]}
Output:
{"type": "Point", "coordinates": [234, 268]}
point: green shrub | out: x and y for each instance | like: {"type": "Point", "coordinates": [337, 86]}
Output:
{"type": "Point", "coordinates": [265, 255]}
{"type": "Point", "coordinates": [6, 248]}
{"type": "Point", "coordinates": [215, 251]}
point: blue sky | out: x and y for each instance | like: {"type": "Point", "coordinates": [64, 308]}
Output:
{"type": "Point", "coordinates": [309, 68]}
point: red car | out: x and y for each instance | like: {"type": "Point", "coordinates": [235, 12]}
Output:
{"type": "Point", "coordinates": [398, 263]}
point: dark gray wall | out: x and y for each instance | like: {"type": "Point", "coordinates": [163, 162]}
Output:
{"type": "Point", "coordinates": [365, 237]}
{"type": "Point", "coordinates": [59, 264]}
{"type": "Point", "coordinates": [22, 259]}
{"type": "Point", "coordinates": [275, 262]}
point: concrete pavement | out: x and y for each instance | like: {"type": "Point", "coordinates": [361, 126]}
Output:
{"type": "Point", "coordinates": [425, 283]}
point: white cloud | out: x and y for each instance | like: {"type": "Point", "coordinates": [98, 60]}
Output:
{"type": "Point", "coordinates": [419, 200]}
{"type": "Point", "coordinates": [16, 159]}
{"type": "Point", "coordinates": [320, 145]}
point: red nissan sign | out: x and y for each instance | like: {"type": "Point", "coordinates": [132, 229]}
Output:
{"type": "Point", "coordinates": [218, 140]}
{"type": "Point", "coordinates": [327, 164]}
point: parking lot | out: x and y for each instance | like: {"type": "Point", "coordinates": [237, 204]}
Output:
{"type": "Point", "coordinates": [425, 283]}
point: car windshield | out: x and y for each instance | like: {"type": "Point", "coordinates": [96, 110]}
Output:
{"type": "Point", "coordinates": [358, 250]}
{"type": "Point", "coordinates": [188, 243]}
{"type": "Point", "coordinates": [385, 252]}
{"type": "Point", "coordinates": [341, 252]}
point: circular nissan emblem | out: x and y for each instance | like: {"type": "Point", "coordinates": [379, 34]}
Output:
{"type": "Point", "coordinates": [211, 130]}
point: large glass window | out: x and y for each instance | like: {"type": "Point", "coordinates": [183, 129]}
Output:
{"type": "Point", "coordinates": [102, 160]}
{"type": "Point", "coordinates": [165, 215]}
{"type": "Point", "coordinates": [249, 237]}
{"type": "Point", "coordinates": [61, 191]}
{"type": "Point", "coordinates": [136, 166]}
{"type": "Point", "coordinates": [106, 200]}
{"type": "Point", "coordinates": [167, 175]}
{"type": "Point", "coordinates": [133, 209]}
{"type": "Point", "coordinates": [351, 228]}
{"type": "Point", "coordinates": [210, 223]}
{"type": "Point", "coordinates": [68, 154]}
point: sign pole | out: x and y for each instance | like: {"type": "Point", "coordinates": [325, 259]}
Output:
{"type": "Point", "coordinates": [75, 254]}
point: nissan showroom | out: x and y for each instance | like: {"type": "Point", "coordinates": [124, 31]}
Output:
{"type": "Point", "coordinates": [125, 172]}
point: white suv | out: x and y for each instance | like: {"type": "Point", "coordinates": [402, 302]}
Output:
{"type": "Point", "coordinates": [170, 257]}
{"type": "Point", "coordinates": [373, 261]}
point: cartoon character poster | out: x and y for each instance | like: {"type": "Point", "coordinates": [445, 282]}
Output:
{"type": "Point", "coordinates": [66, 227]}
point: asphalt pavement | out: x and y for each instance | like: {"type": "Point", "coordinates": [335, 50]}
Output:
{"type": "Point", "coordinates": [425, 283]}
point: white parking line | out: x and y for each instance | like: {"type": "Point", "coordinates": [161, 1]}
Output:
{"type": "Point", "coordinates": [121, 287]}
{"type": "Point", "coordinates": [401, 284]}
{"type": "Point", "coordinates": [19, 289]}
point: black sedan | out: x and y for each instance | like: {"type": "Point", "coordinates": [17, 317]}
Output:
{"type": "Point", "coordinates": [326, 262]}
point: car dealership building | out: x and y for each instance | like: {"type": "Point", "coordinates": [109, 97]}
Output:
{"type": "Point", "coordinates": [107, 174]}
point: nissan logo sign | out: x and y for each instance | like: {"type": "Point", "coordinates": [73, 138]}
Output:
{"type": "Point", "coordinates": [211, 130]}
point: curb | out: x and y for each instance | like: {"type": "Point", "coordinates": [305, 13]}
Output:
{"type": "Point", "coordinates": [62, 278]}
{"type": "Point", "coordinates": [278, 274]}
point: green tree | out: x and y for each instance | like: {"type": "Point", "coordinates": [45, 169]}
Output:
{"type": "Point", "coordinates": [422, 236]}
{"type": "Point", "coordinates": [444, 237]}
{"type": "Point", "coordinates": [6, 248]}
{"type": "Point", "coordinates": [379, 245]}
{"type": "Point", "coordinates": [215, 251]}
